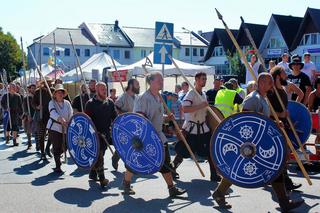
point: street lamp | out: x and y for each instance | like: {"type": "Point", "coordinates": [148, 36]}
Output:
{"type": "Point", "coordinates": [190, 33]}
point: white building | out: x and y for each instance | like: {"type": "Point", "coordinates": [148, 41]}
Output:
{"type": "Point", "coordinates": [279, 36]}
{"type": "Point", "coordinates": [192, 47]}
{"type": "Point", "coordinates": [125, 44]}
{"type": "Point", "coordinates": [220, 46]}
{"type": "Point", "coordinates": [85, 47]}
{"type": "Point", "coordinates": [308, 36]}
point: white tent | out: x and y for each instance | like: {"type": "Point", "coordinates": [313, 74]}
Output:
{"type": "Point", "coordinates": [169, 70]}
{"type": "Point", "coordinates": [32, 75]}
{"type": "Point", "coordinates": [92, 68]}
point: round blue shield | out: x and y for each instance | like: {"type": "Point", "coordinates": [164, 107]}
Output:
{"type": "Point", "coordinates": [138, 143]}
{"type": "Point", "coordinates": [248, 149]}
{"type": "Point", "coordinates": [302, 122]}
{"type": "Point", "coordinates": [82, 140]}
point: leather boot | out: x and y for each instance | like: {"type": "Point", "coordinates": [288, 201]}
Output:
{"type": "Point", "coordinates": [175, 164]}
{"type": "Point", "coordinates": [103, 181]}
{"type": "Point", "coordinates": [127, 189]}
{"type": "Point", "coordinates": [285, 204]}
{"type": "Point", "coordinates": [93, 175]}
{"type": "Point", "coordinates": [115, 160]}
{"type": "Point", "coordinates": [7, 139]}
{"type": "Point", "coordinates": [219, 194]}
{"type": "Point", "coordinates": [15, 142]}
{"type": "Point", "coordinates": [175, 191]}
{"type": "Point", "coordinates": [29, 141]}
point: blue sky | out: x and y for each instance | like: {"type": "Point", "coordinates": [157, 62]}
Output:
{"type": "Point", "coordinates": [32, 18]}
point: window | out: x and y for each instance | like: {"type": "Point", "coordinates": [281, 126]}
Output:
{"type": "Point", "coordinates": [218, 51]}
{"type": "Point", "coordinates": [310, 39]}
{"type": "Point", "coordinates": [116, 54]}
{"type": "Point", "coordinates": [194, 52]}
{"type": "Point", "coordinates": [66, 52]}
{"type": "Point", "coordinates": [45, 51]}
{"type": "Point", "coordinates": [87, 52]}
{"type": "Point", "coordinates": [187, 52]}
{"type": "Point", "coordinates": [78, 52]}
{"type": "Point", "coordinates": [127, 54]}
{"type": "Point", "coordinates": [143, 53]}
{"type": "Point", "coordinates": [201, 52]}
{"type": "Point", "coordinates": [276, 43]}
{"type": "Point", "coordinates": [313, 39]}
{"type": "Point", "coordinates": [222, 69]}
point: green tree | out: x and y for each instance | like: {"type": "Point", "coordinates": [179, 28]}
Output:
{"type": "Point", "coordinates": [10, 54]}
{"type": "Point", "coordinates": [236, 67]}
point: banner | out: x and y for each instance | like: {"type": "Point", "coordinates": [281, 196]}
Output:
{"type": "Point", "coordinates": [125, 75]}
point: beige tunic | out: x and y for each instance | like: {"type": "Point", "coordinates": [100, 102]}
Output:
{"type": "Point", "coordinates": [198, 116]}
{"type": "Point", "coordinates": [151, 107]}
{"type": "Point", "coordinates": [125, 102]}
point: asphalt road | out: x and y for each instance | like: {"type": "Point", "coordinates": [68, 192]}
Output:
{"type": "Point", "coordinates": [29, 185]}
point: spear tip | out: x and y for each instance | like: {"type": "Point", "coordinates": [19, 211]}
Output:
{"type": "Point", "coordinates": [218, 14]}
{"type": "Point", "coordinates": [241, 19]}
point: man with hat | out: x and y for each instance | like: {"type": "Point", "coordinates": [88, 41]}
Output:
{"type": "Point", "coordinates": [237, 88]}
{"type": "Point", "coordinates": [60, 114]}
{"type": "Point", "coordinates": [299, 78]}
{"type": "Point", "coordinates": [211, 93]}
{"type": "Point", "coordinates": [309, 68]}
{"type": "Point", "coordinates": [28, 112]}
{"type": "Point", "coordinates": [40, 102]}
{"type": "Point", "coordinates": [15, 104]}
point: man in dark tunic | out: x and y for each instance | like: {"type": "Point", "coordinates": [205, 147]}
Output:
{"type": "Point", "coordinates": [15, 109]}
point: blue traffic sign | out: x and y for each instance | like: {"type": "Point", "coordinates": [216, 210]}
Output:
{"type": "Point", "coordinates": [164, 32]}
{"type": "Point", "coordinates": [161, 53]}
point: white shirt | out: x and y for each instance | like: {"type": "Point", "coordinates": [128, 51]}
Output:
{"type": "Point", "coordinates": [65, 110]}
{"type": "Point", "coordinates": [255, 68]}
{"type": "Point", "coordinates": [285, 66]}
{"type": "Point", "coordinates": [307, 69]}
{"type": "Point", "coordinates": [198, 116]}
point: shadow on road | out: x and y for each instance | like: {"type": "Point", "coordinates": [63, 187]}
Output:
{"type": "Point", "coordinates": [4, 146]}
{"type": "Point", "coordinates": [28, 168]}
{"type": "Point", "coordinates": [81, 197]}
{"type": "Point", "coordinates": [130, 204]}
{"type": "Point", "coordinates": [78, 172]}
{"type": "Point", "coordinates": [47, 179]}
{"type": "Point", "coordinates": [20, 154]}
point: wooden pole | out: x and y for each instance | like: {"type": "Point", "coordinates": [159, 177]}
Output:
{"type": "Point", "coordinates": [305, 174]}
{"type": "Point", "coordinates": [25, 78]}
{"type": "Point", "coordinates": [274, 88]}
{"type": "Point", "coordinates": [78, 63]}
{"type": "Point", "coordinates": [176, 126]}
{"type": "Point", "coordinates": [192, 87]}
{"type": "Point", "coordinates": [118, 72]}
{"type": "Point", "coordinates": [54, 102]}
{"type": "Point", "coordinates": [5, 81]}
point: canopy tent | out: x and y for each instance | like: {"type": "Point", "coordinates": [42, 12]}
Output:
{"type": "Point", "coordinates": [32, 75]}
{"type": "Point", "coordinates": [169, 70]}
{"type": "Point", "coordinates": [92, 68]}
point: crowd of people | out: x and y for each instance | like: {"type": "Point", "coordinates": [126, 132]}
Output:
{"type": "Point", "coordinates": [44, 115]}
